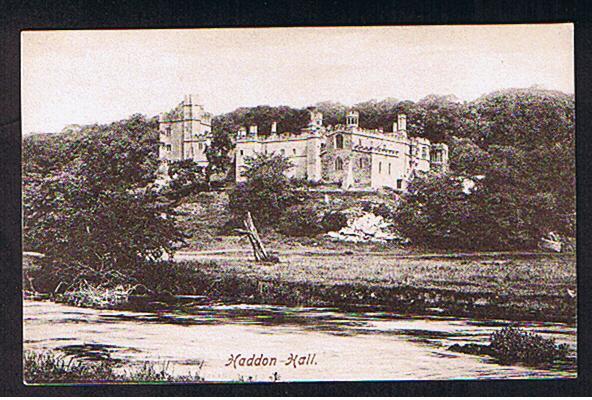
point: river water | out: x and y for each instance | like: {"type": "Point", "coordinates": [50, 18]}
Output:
{"type": "Point", "coordinates": [327, 344]}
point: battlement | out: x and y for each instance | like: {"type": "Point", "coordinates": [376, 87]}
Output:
{"type": "Point", "coordinates": [190, 109]}
{"type": "Point", "coordinates": [376, 150]}
{"type": "Point", "coordinates": [243, 136]}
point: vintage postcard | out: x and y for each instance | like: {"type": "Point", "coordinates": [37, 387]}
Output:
{"type": "Point", "coordinates": [299, 204]}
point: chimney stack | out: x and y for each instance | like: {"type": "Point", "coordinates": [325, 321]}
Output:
{"type": "Point", "coordinates": [316, 118]}
{"type": "Point", "coordinates": [402, 122]}
{"type": "Point", "coordinates": [253, 129]}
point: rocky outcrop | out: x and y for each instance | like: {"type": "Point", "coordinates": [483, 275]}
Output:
{"type": "Point", "coordinates": [366, 227]}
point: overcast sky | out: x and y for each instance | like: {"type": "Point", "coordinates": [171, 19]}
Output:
{"type": "Point", "coordinates": [100, 76]}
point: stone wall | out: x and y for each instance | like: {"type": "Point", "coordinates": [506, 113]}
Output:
{"type": "Point", "coordinates": [387, 170]}
{"type": "Point", "coordinates": [171, 133]}
{"type": "Point", "coordinates": [329, 160]}
{"type": "Point", "coordinates": [294, 148]}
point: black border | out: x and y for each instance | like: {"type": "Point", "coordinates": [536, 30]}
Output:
{"type": "Point", "coordinates": [106, 14]}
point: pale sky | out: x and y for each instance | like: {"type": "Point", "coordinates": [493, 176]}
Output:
{"type": "Point", "coordinates": [83, 77]}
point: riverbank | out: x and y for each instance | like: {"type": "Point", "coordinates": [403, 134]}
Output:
{"type": "Point", "coordinates": [503, 286]}
{"type": "Point", "coordinates": [520, 287]}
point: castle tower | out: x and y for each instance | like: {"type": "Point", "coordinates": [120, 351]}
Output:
{"type": "Point", "coordinates": [242, 133]}
{"type": "Point", "coordinates": [352, 120]}
{"type": "Point", "coordinates": [253, 130]}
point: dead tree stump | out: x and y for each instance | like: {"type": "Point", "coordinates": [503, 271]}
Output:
{"type": "Point", "coordinates": [258, 250]}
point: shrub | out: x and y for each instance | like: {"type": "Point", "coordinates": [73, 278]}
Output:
{"type": "Point", "coordinates": [187, 178]}
{"type": "Point", "coordinates": [267, 191]}
{"type": "Point", "coordinates": [300, 221]}
{"type": "Point", "coordinates": [310, 220]}
{"type": "Point", "coordinates": [98, 296]}
{"type": "Point", "coordinates": [510, 345]}
{"type": "Point", "coordinates": [441, 212]}
{"type": "Point", "coordinates": [52, 368]}
{"type": "Point", "coordinates": [333, 221]}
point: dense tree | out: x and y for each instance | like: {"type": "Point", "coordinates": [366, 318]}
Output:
{"type": "Point", "coordinates": [98, 217]}
{"type": "Point", "coordinates": [187, 178]}
{"type": "Point", "coordinates": [266, 192]}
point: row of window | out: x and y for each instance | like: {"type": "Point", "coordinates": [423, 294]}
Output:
{"type": "Point", "coordinates": [167, 131]}
{"type": "Point", "coordinates": [438, 156]}
{"type": "Point", "coordinates": [169, 148]}
{"type": "Point", "coordinates": [361, 163]}
{"type": "Point", "coordinates": [282, 152]}
{"type": "Point", "coordinates": [339, 167]}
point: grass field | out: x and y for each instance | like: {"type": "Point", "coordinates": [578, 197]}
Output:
{"type": "Point", "coordinates": [540, 287]}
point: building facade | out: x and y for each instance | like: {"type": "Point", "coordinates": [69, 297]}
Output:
{"type": "Point", "coordinates": [185, 132]}
{"type": "Point", "coordinates": [346, 154]}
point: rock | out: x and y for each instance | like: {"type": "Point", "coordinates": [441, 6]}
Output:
{"type": "Point", "coordinates": [471, 348]}
{"type": "Point", "coordinates": [551, 242]}
{"type": "Point", "coordinates": [365, 227]}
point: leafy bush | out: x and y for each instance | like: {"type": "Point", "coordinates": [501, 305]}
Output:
{"type": "Point", "coordinates": [267, 191]}
{"type": "Point", "coordinates": [310, 220]}
{"type": "Point", "coordinates": [510, 345]}
{"type": "Point", "coordinates": [333, 221]}
{"type": "Point", "coordinates": [187, 178]}
{"type": "Point", "coordinates": [300, 221]}
{"type": "Point", "coordinates": [440, 212]}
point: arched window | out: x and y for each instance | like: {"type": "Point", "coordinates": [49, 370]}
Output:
{"type": "Point", "coordinates": [282, 152]}
{"type": "Point", "coordinates": [338, 164]}
{"type": "Point", "coordinates": [389, 168]}
{"type": "Point", "coordinates": [294, 151]}
{"type": "Point", "coordinates": [339, 141]}
{"type": "Point", "coordinates": [379, 167]}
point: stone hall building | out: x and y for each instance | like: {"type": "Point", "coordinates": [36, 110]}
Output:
{"type": "Point", "coordinates": [345, 154]}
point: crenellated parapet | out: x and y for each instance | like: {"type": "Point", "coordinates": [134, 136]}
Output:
{"type": "Point", "coordinates": [384, 150]}
{"type": "Point", "coordinates": [346, 153]}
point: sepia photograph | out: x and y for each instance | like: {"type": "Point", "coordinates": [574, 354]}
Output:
{"type": "Point", "coordinates": [299, 204]}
